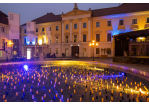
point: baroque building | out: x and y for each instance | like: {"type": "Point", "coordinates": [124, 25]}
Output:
{"type": "Point", "coordinates": [72, 32]}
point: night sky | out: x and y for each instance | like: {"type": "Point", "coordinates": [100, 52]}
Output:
{"type": "Point", "coordinates": [30, 11]}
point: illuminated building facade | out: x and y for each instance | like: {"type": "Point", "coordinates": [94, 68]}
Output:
{"type": "Point", "coordinates": [72, 32]}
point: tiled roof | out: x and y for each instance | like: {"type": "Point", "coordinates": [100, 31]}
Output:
{"type": "Point", "coordinates": [124, 8]}
{"type": "Point", "coordinates": [3, 18]}
{"type": "Point", "coordinates": [1, 13]}
{"type": "Point", "coordinates": [49, 17]}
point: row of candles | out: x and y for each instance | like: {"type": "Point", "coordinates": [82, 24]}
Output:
{"type": "Point", "coordinates": [63, 70]}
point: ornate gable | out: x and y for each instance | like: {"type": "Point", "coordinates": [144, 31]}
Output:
{"type": "Point", "coordinates": [76, 12]}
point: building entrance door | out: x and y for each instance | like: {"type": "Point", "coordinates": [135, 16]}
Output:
{"type": "Point", "coordinates": [28, 53]}
{"type": "Point", "coordinates": [74, 50]}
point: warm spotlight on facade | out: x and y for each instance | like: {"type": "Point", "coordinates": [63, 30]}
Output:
{"type": "Point", "coordinates": [40, 42]}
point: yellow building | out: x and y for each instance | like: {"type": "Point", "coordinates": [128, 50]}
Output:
{"type": "Point", "coordinates": [73, 31]}
{"type": "Point", "coordinates": [5, 44]}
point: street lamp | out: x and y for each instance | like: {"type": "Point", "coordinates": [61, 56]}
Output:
{"type": "Point", "coordinates": [93, 44]}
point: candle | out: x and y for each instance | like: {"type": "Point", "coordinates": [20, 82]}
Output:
{"type": "Point", "coordinates": [130, 83]}
{"type": "Point", "coordinates": [4, 87]}
{"type": "Point", "coordinates": [73, 86]}
{"type": "Point", "coordinates": [3, 96]}
{"type": "Point", "coordinates": [99, 93]}
{"type": "Point", "coordinates": [49, 90]}
{"type": "Point", "coordinates": [69, 87]}
{"type": "Point", "coordinates": [23, 89]}
{"type": "Point", "coordinates": [30, 90]}
{"type": "Point", "coordinates": [92, 98]}
{"type": "Point", "coordinates": [14, 87]}
{"type": "Point", "coordinates": [32, 96]}
{"type": "Point", "coordinates": [41, 98]}
{"type": "Point", "coordinates": [111, 98]}
{"type": "Point", "coordinates": [80, 99]}
{"type": "Point", "coordinates": [67, 99]}
{"type": "Point", "coordinates": [120, 94]}
{"type": "Point", "coordinates": [140, 83]}
{"type": "Point", "coordinates": [5, 100]}
{"type": "Point", "coordinates": [44, 95]}
{"type": "Point", "coordinates": [16, 93]}
{"type": "Point", "coordinates": [86, 90]}
{"type": "Point", "coordinates": [111, 90]}
{"type": "Point", "coordinates": [61, 90]}
{"type": "Point", "coordinates": [102, 99]}
{"type": "Point", "coordinates": [37, 92]}
{"type": "Point", "coordinates": [56, 94]}
{"type": "Point", "coordinates": [74, 91]}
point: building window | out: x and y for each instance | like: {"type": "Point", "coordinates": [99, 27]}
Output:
{"type": "Point", "coordinates": [57, 51]}
{"type": "Point", "coordinates": [109, 23]}
{"type": "Point", "coordinates": [50, 39]}
{"type": "Point", "coordinates": [97, 24]}
{"type": "Point", "coordinates": [97, 51]}
{"type": "Point", "coordinates": [75, 38]}
{"type": "Point", "coordinates": [121, 22]}
{"type": "Point", "coordinates": [84, 25]}
{"type": "Point", "coordinates": [134, 21]}
{"type": "Point", "coordinates": [75, 26]}
{"type": "Point", "coordinates": [147, 20]}
{"type": "Point", "coordinates": [42, 29]}
{"type": "Point", "coordinates": [36, 29]}
{"type": "Point", "coordinates": [108, 50]}
{"type": "Point", "coordinates": [66, 26]}
{"type": "Point", "coordinates": [50, 29]}
{"type": "Point", "coordinates": [66, 39]}
{"type": "Point", "coordinates": [25, 31]}
{"type": "Point", "coordinates": [56, 28]}
{"type": "Point", "coordinates": [109, 37]}
{"type": "Point", "coordinates": [2, 29]}
{"type": "Point", "coordinates": [84, 38]}
{"type": "Point", "coordinates": [50, 50]}
{"type": "Point", "coordinates": [0, 53]}
{"type": "Point", "coordinates": [24, 40]}
{"type": "Point", "coordinates": [57, 40]}
{"type": "Point", "coordinates": [97, 37]}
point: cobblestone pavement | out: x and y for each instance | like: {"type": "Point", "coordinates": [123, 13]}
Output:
{"type": "Point", "coordinates": [69, 83]}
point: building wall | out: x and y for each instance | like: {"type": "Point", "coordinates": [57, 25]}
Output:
{"type": "Point", "coordinates": [5, 35]}
{"type": "Point", "coordinates": [91, 30]}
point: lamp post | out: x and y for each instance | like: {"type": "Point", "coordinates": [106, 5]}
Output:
{"type": "Point", "coordinates": [93, 44]}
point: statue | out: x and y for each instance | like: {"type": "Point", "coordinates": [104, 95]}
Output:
{"type": "Point", "coordinates": [75, 6]}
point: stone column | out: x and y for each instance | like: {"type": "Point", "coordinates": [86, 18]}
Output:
{"type": "Point", "coordinates": [70, 30]}
{"type": "Point", "coordinates": [89, 29]}
{"type": "Point", "coordinates": [63, 31]}
{"type": "Point", "coordinates": [79, 29]}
